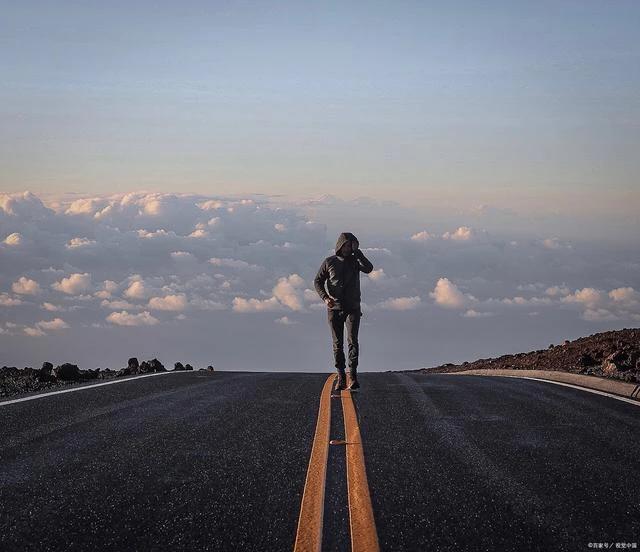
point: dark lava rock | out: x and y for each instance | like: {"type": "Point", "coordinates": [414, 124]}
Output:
{"type": "Point", "coordinates": [14, 381]}
{"type": "Point", "coordinates": [157, 366]}
{"type": "Point", "coordinates": [614, 354]}
{"type": "Point", "coordinates": [107, 373]}
{"type": "Point", "coordinates": [188, 367]}
{"type": "Point", "coordinates": [178, 366]}
{"type": "Point", "coordinates": [90, 374]}
{"type": "Point", "coordinates": [210, 368]}
{"type": "Point", "coordinates": [146, 367]}
{"type": "Point", "coordinates": [152, 366]}
{"type": "Point", "coordinates": [67, 372]}
{"type": "Point", "coordinates": [46, 373]}
{"type": "Point", "coordinates": [586, 360]}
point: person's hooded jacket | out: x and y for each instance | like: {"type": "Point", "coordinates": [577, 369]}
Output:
{"type": "Point", "coordinates": [342, 276]}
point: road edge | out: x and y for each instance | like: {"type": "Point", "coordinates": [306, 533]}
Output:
{"type": "Point", "coordinates": [91, 386]}
{"type": "Point", "coordinates": [630, 392]}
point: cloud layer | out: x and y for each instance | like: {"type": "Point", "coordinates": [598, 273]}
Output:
{"type": "Point", "coordinates": [181, 263]}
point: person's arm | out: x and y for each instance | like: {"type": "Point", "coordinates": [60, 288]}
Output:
{"type": "Point", "coordinates": [364, 264]}
{"type": "Point", "coordinates": [320, 279]}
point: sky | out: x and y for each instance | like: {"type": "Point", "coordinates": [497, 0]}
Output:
{"type": "Point", "coordinates": [484, 153]}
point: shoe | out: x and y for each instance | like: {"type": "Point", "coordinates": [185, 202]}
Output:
{"type": "Point", "coordinates": [354, 382]}
{"type": "Point", "coordinates": [342, 377]}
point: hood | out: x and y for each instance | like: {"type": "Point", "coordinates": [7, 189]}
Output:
{"type": "Point", "coordinates": [344, 238]}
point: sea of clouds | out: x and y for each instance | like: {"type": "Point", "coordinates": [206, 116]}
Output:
{"type": "Point", "coordinates": [229, 281]}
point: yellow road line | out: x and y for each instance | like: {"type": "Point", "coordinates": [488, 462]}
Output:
{"type": "Point", "coordinates": [364, 537]}
{"type": "Point", "coordinates": [309, 534]}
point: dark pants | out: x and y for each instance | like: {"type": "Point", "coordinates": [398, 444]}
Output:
{"type": "Point", "coordinates": [337, 320]}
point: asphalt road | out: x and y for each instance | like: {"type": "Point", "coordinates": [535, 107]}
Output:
{"type": "Point", "coordinates": [201, 461]}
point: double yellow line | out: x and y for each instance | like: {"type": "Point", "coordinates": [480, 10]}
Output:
{"type": "Point", "coordinates": [363, 528]}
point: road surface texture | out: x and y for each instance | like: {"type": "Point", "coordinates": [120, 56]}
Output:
{"type": "Point", "coordinates": [217, 461]}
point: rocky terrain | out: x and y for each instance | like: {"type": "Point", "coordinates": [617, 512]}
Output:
{"type": "Point", "coordinates": [17, 381]}
{"type": "Point", "coordinates": [614, 354]}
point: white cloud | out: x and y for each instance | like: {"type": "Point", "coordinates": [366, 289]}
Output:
{"type": "Point", "coordinates": [211, 205]}
{"type": "Point", "coordinates": [15, 239]}
{"type": "Point", "coordinates": [34, 332]}
{"type": "Point", "coordinates": [377, 275]}
{"type": "Point", "coordinates": [289, 292]}
{"type": "Point", "coordinates": [555, 243]}
{"type": "Point", "coordinates": [627, 296]}
{"type": "Point", "coordinates": [169, 302]}
{"type": "Point", "coordinates": [123, 318]}
{"type": "Point", "coordinates": [555, 291]}
{"type": "Point", "coordinates": [153, 206]}
{"type": "Point", "coordinates": [138, 289]}
{"type": "Point", "coordinates": [400, 303]}
{"type": "Point", "coordinates": [587, 296]}
{"type": "Point", "coordinates": [383, 250]}
{"type": "Point", "coordinates": [446, 294]}
{"type": "Point", "coordinates": [74, 284]}
{"type": "Point", "coordinates": [51, 307]}
{"type": "Point", "coordinates": [199, 233]}
{"type": "Point", "coordinates": [471, 313]}
{"type": "Point", "coordinates": [207, 304]}
{"type": "Point", "coordinates": [118, 304]}
{"type": "Point", "coordinates": [256, 305]}
{"type": "Point", "coordinates": [463, 233]}
{"type": "Point", "coordinates": [598, 315]}
{"type": "Point", "coordinates": [311, 295]}
{"type": "Point", "coordinates": [524, 302]}
{"type": "Point", "coordinates": [8, 301]}
{"type": "Point", "coordinates": [232, 263]}
{"type": "Point", "coordinates": [55, 324]}
{"type": "Point", "coordinates": [25, 205]}
{"type": "Point", "coordinates": [85, 206]}
{"type": "Point", "coordinates": [151, 234]}
{"type": "Point", "coordinates": [422, 236]}
{"type": "Point", "coordinates": [182, 256]}
{"type": "Point", "coordinates": [26, 286]}
{"type": "Point", "coordinates": [77, 243]}
{"type": "Point", "coordinates": [109, 288]}
{"type": "Point", "coordinates": [285, 320]}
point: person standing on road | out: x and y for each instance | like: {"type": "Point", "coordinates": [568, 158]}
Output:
{"type": "Point", "coordinates": [341, 274]}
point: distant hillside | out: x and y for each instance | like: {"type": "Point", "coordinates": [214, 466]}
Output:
{"type": "Point", "coordinates": [613, 354]}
